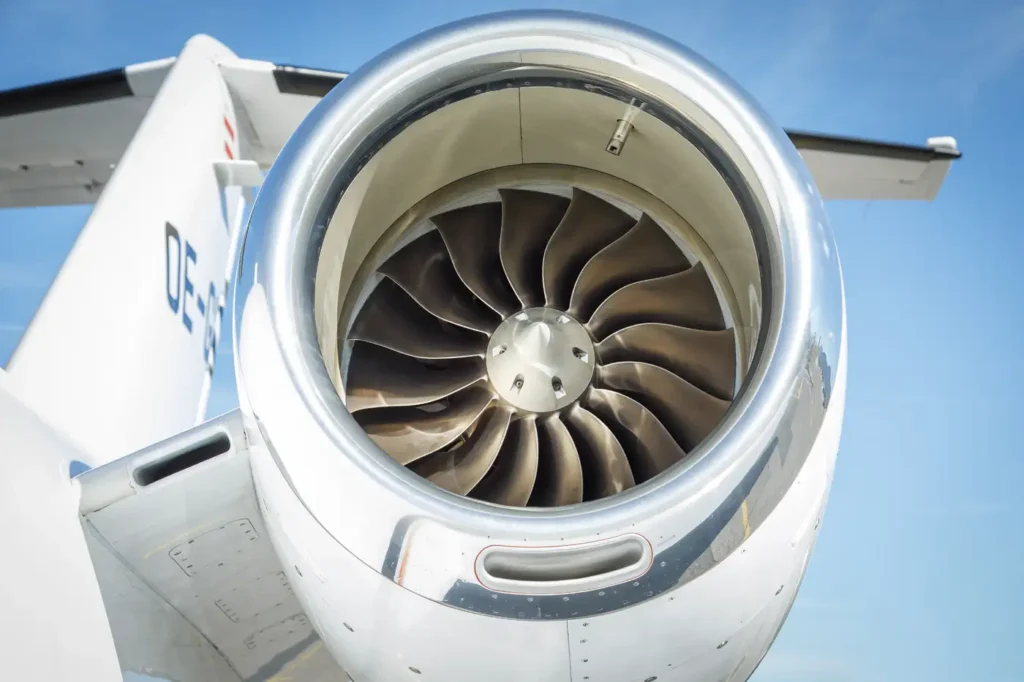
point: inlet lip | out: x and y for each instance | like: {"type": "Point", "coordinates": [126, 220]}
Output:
{"type": "Point", "coordinates": [288, 388]}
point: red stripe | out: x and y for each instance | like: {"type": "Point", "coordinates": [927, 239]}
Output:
{"type": "Point", "coordinates": [231, 131]}
{"type": "Point", "coordinates": [227, 150]}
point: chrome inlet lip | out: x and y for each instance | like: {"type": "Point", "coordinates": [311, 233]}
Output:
{"type": "Point", "coordinates": [781, 203]}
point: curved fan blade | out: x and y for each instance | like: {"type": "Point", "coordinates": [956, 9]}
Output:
{"type": "Point", "coordinates": [408, 433]}
{"type": "Point", "coordinates": [527, 221]}
{"type": "Point", "coordinates": [644, 252]}
{"type": "Point", "coordinates": [687, 412]}
{"type": "Point", "coordinates": [589, 225]}
{"type": "Point", "coordinates": [707, 359]}
{"type": "Point", "coordinates": [511, 480]}
{"type": "Point", "coordinates": [686, 299]}
{"type": "Point", "coordinates": [378, 377]}
{"type": "Point", "coordinates": [459, 469]}
{"type": "Point", "coordinates": [472, 235]}
{"type": "Point", "coordinates": [648, 445]}
{"type": "Point", "coordinates": [392, 319]}
{"type": "Point", "coordinates": [424, 269]}
{"type": "Point", "coordinates": [560, 475]}
{"type": "Point", "coordinates": [606, 470]}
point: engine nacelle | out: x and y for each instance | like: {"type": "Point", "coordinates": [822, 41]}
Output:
{"type": "Point", "coordinates": [481, 459]}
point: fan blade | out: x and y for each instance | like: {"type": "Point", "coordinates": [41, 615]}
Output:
{"type": "Point", "coordinates": [589, 225]}
{"type": "Point", "coordinates": [460, 469]}
{"type": "Point", "coordinates": [392, 319]}
{"type": "Point", "coordinates": [605, 467]}
{"type": "Point", "coordinates": [378, 377]}
{"type": "Point", "coordinates": [686, 299]}
{"type": "Point", "coordinates": [424, 269]}
{"type": "Point", "coordinates": [649, 447]}
{"type": "Point", "coordinates": [687, 412]}
{"type": "Point", "coordinates": [408, 433]}
{"type": "Point", "coordinates": [472, 235]}
{"type": "Point", "coordinates": [646, 251]}
{"type": "Point", "coordinates": [560, 475]}
{"type": "Point", "coordinates": [707, 359]}
{"type": "Point", "coordinates": [527, 221]}
{"type": "Point", "coordinates": [511, 480]}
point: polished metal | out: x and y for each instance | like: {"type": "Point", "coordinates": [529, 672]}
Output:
{"type": "Point", "coordinates": [379, 377]}
{"type": "Point", "coordinates": [589, 225]}
{"type": "Point", "coordinates": [409, 433]}
{"type": "Point", "coordinates": [706, 359]}
{"type": "Point", "coordinates": [471, 235]}
{"type": "Point", "coordinates": [645, 440]}
{"type": "Point", "coordinates": [528, 221]}
{"type": "Point", "coordinates": [540, 360]}
{"type": "Point", "coordinates": [460, 469]}
{"type": "Point", "coordinates": [425, 270]}
{"type": "Point", "coordinates": [560, 474]}
{"type": "Point", "coordinates": [644, 252]}
{"type": "Point", "coordinates": [392, 319]}
{"type": "Point", "coordinates": [688, 413]}
{"type": "Point", "coordinates": [778, 268]}
{"type": "Point", "coordinates": [619, 137]}
{"type": "Point", "coordinates": [513, 478]}
{"type": "Point", "coordinates": [684, 299]}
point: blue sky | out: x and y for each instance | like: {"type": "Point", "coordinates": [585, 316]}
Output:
{"type": "Point", "coordinates": [919, 568]}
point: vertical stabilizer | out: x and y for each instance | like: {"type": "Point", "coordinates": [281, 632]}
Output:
{"type": "Point", "coordinates": [120, 352]}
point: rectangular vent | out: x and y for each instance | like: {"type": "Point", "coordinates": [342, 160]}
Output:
{"type": "Point", "coordinates": [150, 473]}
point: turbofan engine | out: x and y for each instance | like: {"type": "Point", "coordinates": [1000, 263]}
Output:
{"type": "Point", "coordinates": [542, 325]}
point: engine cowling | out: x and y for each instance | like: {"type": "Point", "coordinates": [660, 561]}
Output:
{"type": "Point", "coordinates": [542, 325]}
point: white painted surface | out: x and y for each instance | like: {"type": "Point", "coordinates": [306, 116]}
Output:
{"type": "Point", "coordinates": [855, 176]}
{"type": "Point", "coordinates": [46, 572]}
{"type": "Point", "coordinates": [380, 631]}
{"type": "Point", "coordinates": [109, 357]}
{"type": "Point", "coordinates": [150, 636]}
{"type": "Point", "coordinates": [67, 155]}
{"type": "Point", "coordinates": [197, 541]}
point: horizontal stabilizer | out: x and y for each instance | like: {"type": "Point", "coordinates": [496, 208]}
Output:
{"type": "Point", "coordinates": [61, 141]}
{"type": "Point", "coordinates": [851, 168]}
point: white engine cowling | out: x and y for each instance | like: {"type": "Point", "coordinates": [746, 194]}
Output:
{"type": "Point", "coordinates": [418, 555]}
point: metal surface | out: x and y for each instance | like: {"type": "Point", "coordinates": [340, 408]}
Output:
{"type": "Point", "coordinates": [408, 433]}
{"type": "Point", "coordinates": [685, 299]}
{"type": "Point", "coordinates": [540, 360]}
{"type": "Point", "coordinates": [588, 226]}
{"type": "Point", "coordinates": [425, 271]}
{"type": "Point", "coordinates": [383, 378]}
{"type": "Point", "coordinates": [392, 319]}
{"type": "Point", "coordinates": [644, 252]}
{"type": "Point", "coordinates": [700, 145]}
{"type": "Point", "coordinates": [706, 359]}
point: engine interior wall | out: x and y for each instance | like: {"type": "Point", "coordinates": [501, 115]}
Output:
{"type": "Point", "coordinates": [543, 125]}
{"type": "Point", "coordinates": [461, 139]}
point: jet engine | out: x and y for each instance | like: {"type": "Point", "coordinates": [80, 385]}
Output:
{"type": "Point", "coordinates": [540, 331]}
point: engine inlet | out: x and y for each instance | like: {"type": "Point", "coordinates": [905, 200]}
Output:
{"type": "Point", "coordinates": [542, 349]}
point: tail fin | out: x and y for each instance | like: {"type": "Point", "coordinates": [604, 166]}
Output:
{"type": "Point", "coordinates": [120, 353]}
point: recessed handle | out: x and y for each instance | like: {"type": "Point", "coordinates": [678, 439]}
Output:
{"type": "Point", "coordinates": [566, 568]}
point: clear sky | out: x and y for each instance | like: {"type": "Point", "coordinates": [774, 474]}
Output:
{"type": "Point", "coordinates": [919, 570]}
